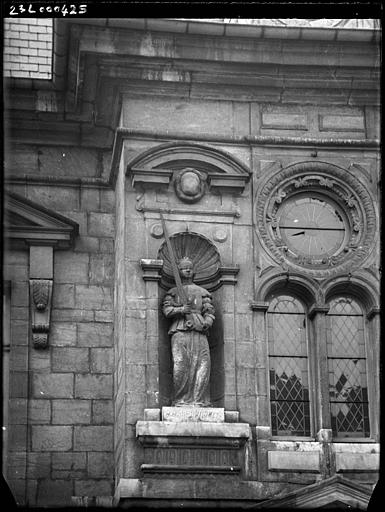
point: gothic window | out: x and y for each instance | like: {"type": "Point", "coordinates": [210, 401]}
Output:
{"type": "Point", "coordinates": [288, 364]}
{"type": "Point", "coordinates": [346, 358]}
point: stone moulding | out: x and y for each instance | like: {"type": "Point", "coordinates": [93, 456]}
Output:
{"type": "Point", "coordinates": [122, 134]}
{"type": "Point", "coordinates": [194, 169]}
{"type": "Point", "coordinates": [316, 293]}
{"type": "Point", "coordinates": [335, 492]}
{"type": "Point", "coordinates": [192, 447]}
{"type": "Point", "coordinates": [40, 300]}
{"type": "Point", "coordinates": [333, 182]}
{"type": "Point", "coordinates": [28, 222]}
{"type": "Point", "coordinates": [153, 208]}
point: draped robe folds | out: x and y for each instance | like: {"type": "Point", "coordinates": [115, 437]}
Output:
{"type": "Point", "coordinates": [189, 344]}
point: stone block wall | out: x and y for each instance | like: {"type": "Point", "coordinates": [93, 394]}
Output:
{"type": "Point", "coordinates": [74, 406]}
{"type": "Point", "coordinates": [61, 443]}
{"type": "Point", "coordinates": [28, 47]}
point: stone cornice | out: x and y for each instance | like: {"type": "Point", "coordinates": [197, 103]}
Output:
{"type": "Point", "coordinates": [123, 134]}
{"type": "Point", "coordinates": [54, 181]}
{"type": "Point", "coordinates": [214, 27]}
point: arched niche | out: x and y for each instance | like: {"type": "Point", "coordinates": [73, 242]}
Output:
{"type": "Point", "coordinates": [207, 269]}
{"type": "Point", "coordinates": [200, 250]}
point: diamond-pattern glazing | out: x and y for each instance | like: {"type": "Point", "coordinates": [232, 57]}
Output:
{"type": "Point", "coordinates": [288, 334]}
{"type": "Point", "coordinates": [350, 419]}
{"type": "Point", "coordinates": [289, 393]}
{"type": "Point", "coordinates": [287, 327]}
{"type": "Point", "coordinates": [290, 418]}
{"type": "Point", "coordinates": [346, 336]}
{"type": "Point", "coordinates": [288, 378]}
{"type": "Point", "coordinates": [347, 370]}
{"type": "Point", "coordinates": [347, 379]}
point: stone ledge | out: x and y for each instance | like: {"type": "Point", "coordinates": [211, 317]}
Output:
{"type": "Point", "coordinates": [357, 462]}
{"type": "Point", "coordinates": [279, 460]}
{"type": "Point", "coordinates": [155, 415]}
{"type": "Point", "coordinates": [215, 487]}
{"type": "Point", "coordinates": [188, 429]}
{"type": "Point", "coordinates": [190, 469]}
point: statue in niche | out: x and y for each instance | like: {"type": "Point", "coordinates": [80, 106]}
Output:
{"type": "Point", "coordinates": [192, 312]}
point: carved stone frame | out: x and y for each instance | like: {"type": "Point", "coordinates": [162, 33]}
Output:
{"type": "Point", "coordinates": [333, 183]}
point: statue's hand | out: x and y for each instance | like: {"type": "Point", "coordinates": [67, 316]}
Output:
{"type": "Point", "coordinates": [189, 324]}
{"type": "Point", "coordinates": [186, 309]}
{"type": "Point", "coordinates": [205, 327]}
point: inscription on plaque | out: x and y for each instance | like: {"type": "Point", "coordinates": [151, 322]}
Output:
{"type": "Point", "coordinates": [183, 414]}
{"type": "Point", "coordinates": [192, 457]}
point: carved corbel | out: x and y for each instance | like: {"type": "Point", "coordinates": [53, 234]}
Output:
{"type": "Point", "coordinates": [41, 301]}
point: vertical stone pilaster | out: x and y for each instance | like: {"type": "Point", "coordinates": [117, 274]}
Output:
{"type": "Point", "coordinates": [260, 330]}
{"type": "Point", "coordinates": [317, 315]}
{"type": "Point", "coordinates": [373, 355]}
{"type": "Point", "coordinates": [151, 276]}
{"type": "Point", "coordinates": [327, 455]}
{"type": "Point", "coordinates": [228, 279]}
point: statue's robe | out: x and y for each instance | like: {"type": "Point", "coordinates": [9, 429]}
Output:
{"type": "Point", "coordinates": [189, 344]}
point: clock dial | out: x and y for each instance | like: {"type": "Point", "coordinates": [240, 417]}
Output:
{"type": "Point", "coordinates": [311, 227]}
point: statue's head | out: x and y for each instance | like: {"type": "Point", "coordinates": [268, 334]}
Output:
{"type": "Point", "coordinates": [185, 267]}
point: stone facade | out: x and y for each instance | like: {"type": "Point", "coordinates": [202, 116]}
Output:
{"type": "Point", "coordinates": [91, 160]}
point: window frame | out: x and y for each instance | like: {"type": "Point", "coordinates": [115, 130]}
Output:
{"type": "Point", "coordinates": [318, 377]}
{"type": "Point", "coordinates": [307, 342]}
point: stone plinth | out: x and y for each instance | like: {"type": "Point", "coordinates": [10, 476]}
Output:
{"type": "Point", "coordinates": [194, 447]}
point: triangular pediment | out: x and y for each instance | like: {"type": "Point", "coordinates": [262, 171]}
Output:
{"type": "Point", "coordinates": [28, 222]}
{"type": "Point", "coordinates": [335, 492]}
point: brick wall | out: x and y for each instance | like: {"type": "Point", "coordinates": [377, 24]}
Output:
{"type": "Point", "coordinates": [28, 48]}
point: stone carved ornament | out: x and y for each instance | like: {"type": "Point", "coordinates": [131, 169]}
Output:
{"type": "Point", "coordinates": [333, 183]}
{"type": "Point", "coordinates": [200, 250]}
{"type": "Point", "coordinates": [190, 184]}
{"type": "Point", "coordinates": [40, 300]}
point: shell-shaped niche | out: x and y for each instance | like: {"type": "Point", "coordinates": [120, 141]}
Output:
{"type": "Point", "coordinates": [200, 250]}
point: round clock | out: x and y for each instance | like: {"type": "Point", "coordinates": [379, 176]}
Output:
{"type": "Point", "coordinates": [312, 227]}
{"type": "Point", "coordinates": [316, 218]}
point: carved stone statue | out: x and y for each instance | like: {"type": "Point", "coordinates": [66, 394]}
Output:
{"type": "Point", "coordinates": [192, 314]}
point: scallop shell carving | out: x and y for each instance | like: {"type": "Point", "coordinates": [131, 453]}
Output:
{"type": "Point", "coordinates": [200, 250]}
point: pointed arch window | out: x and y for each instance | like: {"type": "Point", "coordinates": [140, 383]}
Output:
{"type": "Point", "coordinates": [346, 357]}
{"type": "Point", "coordinates": [288, 366]}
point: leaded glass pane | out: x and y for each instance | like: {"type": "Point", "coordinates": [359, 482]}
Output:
{"type": "Point", "coordinates": [288, 378]}
{"type": "Point", "coordinates": [289, 387]}
{"type": "Point", "coordinates": [347, 369]}
{"type": "Point", "coordinates": [347, 336]}
{"type": "Point", "coordinates": [347, 379]}
{"type": "Point", "coordinates": [287, 328]}
{"type": "Point", "coordinates": [350, 419]}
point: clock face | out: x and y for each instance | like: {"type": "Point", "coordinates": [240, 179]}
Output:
{"type": "Point", "coordinates": [311, 226]}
